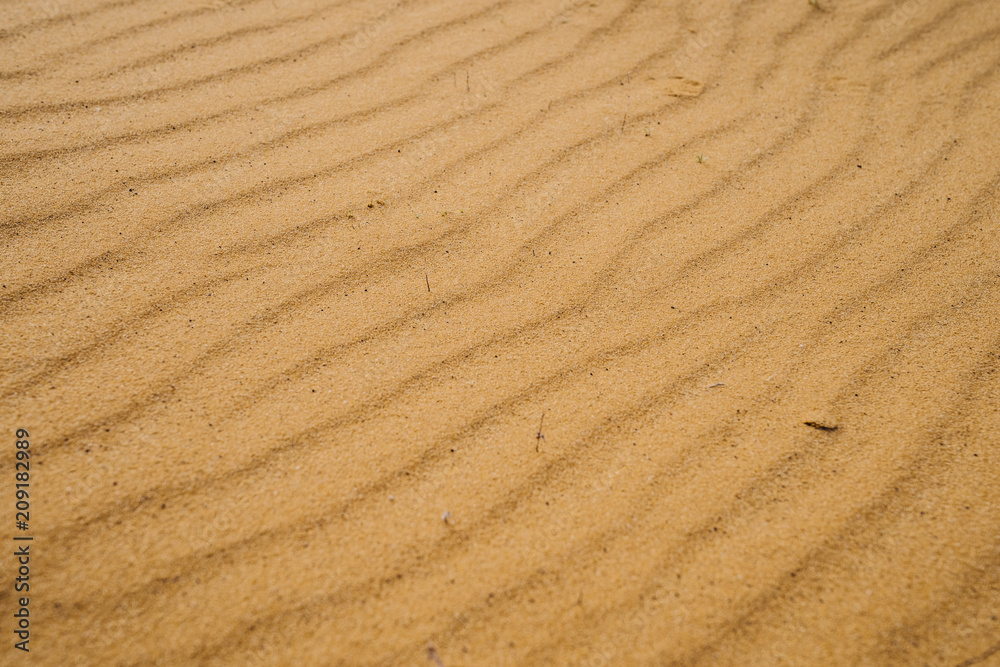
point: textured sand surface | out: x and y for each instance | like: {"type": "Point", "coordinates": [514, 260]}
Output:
{"type": "Point", "coordinates": [587, 332]}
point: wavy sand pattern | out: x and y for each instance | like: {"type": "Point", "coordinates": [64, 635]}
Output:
{"type": "Point", "coordinates": [584, 332]}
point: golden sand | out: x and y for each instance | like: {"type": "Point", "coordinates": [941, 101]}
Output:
{"type": "Point", "coordinates": [410, 332]}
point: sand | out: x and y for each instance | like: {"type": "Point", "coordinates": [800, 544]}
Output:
{"type": "Point", "coordinates": [410, 332]}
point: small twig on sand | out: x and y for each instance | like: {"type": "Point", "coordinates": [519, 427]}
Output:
{"type": "Point", "coordinates": [821, 426]}
{"type": "Point", "coordinates": [433, 656]}
{"type": "Point", "coordinates": [539, 437]}
{"type": "Point", "coordinates": [628, 99]}
{"type": "Point", "coordinates": [428, 280]}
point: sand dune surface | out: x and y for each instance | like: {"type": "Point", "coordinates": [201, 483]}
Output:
{"type": "Point", "coordinates": [576, 332]}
